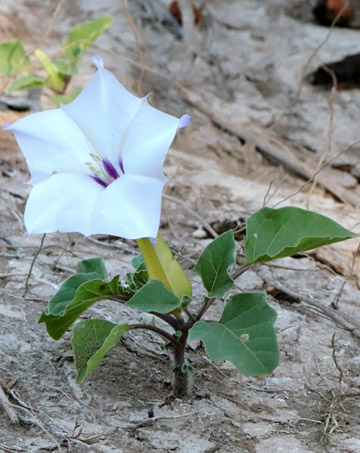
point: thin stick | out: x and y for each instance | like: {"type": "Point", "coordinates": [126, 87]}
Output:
{"type": "Point", "coordinates": [8, 408]}
{"type": "Point", "coordinates": [32, 264]}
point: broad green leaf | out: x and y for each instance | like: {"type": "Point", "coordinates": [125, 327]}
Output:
{"type": "Point", "coordinates": [84, 34]}
{"type": "Point", "coordinates": [161, 265]}
{"type": "Point", "coordinates": [86, 295]}
{"type": "Point", "coordinates": [65, 98]}
{"type": "Point", "coordinates": [65, 68]}
{"type": "Point", "coordinates": [214, 262]}
{"type": "Point", "coordinates": [53, 80]}
{"type": "Point", "coordinates": [13, 58]}
{"type": "Point", "coordinates": [90, 269]}
{"type": "Point", "coordinates": [66, 294]}
{"type": "Point", "coordinates": [25, 81]}
{"type": "Point", "coordinates": [245, 335]}
{"type": "Point", "coordinates": [276, 233]}
{"type": "Point", "coordinates": [93, 265]}
{"type": "Point", "coordinates": [154, 297]}
{"type": "Point", "coordinates": [91, 340]}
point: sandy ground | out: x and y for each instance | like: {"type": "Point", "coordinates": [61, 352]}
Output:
{"type": "Point", "coordinates": [238, 73]}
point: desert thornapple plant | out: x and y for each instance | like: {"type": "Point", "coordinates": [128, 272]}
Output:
{"type": "Point", "coordinates": [96, 166]}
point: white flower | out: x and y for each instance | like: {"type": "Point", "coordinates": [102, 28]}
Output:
{"type": "Point", "coordinates": [97, 164]}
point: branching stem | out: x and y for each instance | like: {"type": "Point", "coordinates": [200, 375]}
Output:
{"type": "Point", "coordinates": [159, 331]}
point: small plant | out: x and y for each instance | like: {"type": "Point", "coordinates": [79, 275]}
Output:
{"type": "Point", "coordinates": [14, 61]}
{"type": "Point", "coordinates": [96, 167]}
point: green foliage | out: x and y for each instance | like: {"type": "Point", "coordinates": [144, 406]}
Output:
{"type": "Point", "coordinates": [276, 233]}
{"type": "Point", "coordinates": [93, 265]}
{"type": "Point", "coordinates": [25, 81]}
{"type": "Point", "coordinates": [65, 68]}
{"type": "Point", "coordinates": [84, 34]}
{"type": "Point", "coordinates": [245, 335]}
{"type": "Point", "coordinates": [86, 295]}
{"type": "Point", "coordinates": [53, 79]}
{"type": "Point", "coordinates": [161, 265]}
{"type": "Point", "coordinates": [154, 297]}
{"type": "Point", "coordinates": [13, 58]}
{"type": "Point", "coordinates": [214, 263]}
{"type": "Point", "coordinates": [65, 98]}
{"type": "Point", "coordinates": [79, 292]}
{"type": "Point", "coordinates": [91, 340]}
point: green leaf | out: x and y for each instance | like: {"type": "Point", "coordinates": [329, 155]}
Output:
{"type": "Point", "coordinates": [154, 297]}
{"type": "Point", "coordinates": [25, 81]}
{"type": "Point", "coordinates": [53, 80]}
{"type": "Point", "coordinates": [66, 294]}
{"type": "Point", "coordinates": [276, 233]}
{"type": "Point", "coordinates": [214, 263]}
{"type": "Point", "coordinates": [86, 295]}
{"type": "Point", "coordinates": [93, 265]}
{"type": "Point", "coordinates": [245, 335]}
{"type": "Point", "coordinates": [65, 68]}
{"type": "Point", "coordinates": [13, 58]}
{"type": "Point", "coordinates": [161, 265]}
{"type": "Point", "coordinates": [91, 340]}
{"type": "Point", "coordinates": [84, 34]}
{"type": "Point", "coordinates": [65, 98]}
{"type": "Point", "coordinates": [138, 262]}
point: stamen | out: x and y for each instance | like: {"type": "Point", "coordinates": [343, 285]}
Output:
{"type": "Point", "coordinates": [99, 181]}
{"type": "Point", "coordinates": [121, 165]}
{"type": "Point", "coordinates": [111, 170]}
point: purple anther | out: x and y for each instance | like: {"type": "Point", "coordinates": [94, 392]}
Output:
{"type": "Point", "coordinates": [109, 167]}
{"type": "Point", "coordinates": [26, 234]}
{"type": "Point", "coordinates": [153, 240]}
{"type": "Point", "coordinates": [121, 165]}
{"type": "Point", "coordinates": [99, 181]}
{"type": "Point", "coordinates": [6, 126]}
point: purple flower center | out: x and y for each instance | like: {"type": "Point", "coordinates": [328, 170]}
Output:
{"type": "Point", "coordinates": [108, 173]}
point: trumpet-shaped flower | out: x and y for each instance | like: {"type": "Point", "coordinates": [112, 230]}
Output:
{"type": "Point", "coordinates": [97, 164]}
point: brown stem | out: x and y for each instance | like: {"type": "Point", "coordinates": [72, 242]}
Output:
{"type": "Point", "coordinates": [161, 332]}
{"type": "Point", "coordinates": [181, 379]}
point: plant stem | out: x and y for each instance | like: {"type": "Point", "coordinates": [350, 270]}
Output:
{"type": "Point", "coordinates": [159, 331]}
{"type": "Point", "coordinates": [181, 379]}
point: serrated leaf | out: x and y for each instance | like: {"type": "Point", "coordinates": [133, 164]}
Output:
{"type": "Point", "coordinates": [25, 81]}
{"type": "Point", "coordinates": [65, 98]}
{"type": "Point", "coordinates": [13, 58]}
{"type": "Point", "coordinates": [53, 80]}
{"type": "Point", "coordinates": [276, 233]}
{"type": "Point", "coordinates": [154, 297]}
{"type": "Point", "coordinates": [86, 295]}
{"type": "Point", "coordinates": [161, 265]}
{"type": "Point", "coordinates": [245, 335]}
{"type": "Point", "coordinates": [84, 34]}
{"type": "Point", "coordinates": [91, 340]}
{"type": "Point", "coordinates": [93, 265]}
{"type": "Point", "coordinates": [214, 263]}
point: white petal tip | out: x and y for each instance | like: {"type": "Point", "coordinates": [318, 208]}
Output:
{"type": "Point", "coordinates": [6, 127]}
{"type": "Point", "coordinates": [184, 121]}
{"type": "Point", "coordinates": [26, 234]}
{"type": "Point", "coordinates": [98, 62]}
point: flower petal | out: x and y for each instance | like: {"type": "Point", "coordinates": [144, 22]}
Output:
{"type": "Point", "coordinates": [51, 142]}
{"type": "Point", "coordinates": [64, 202]}
{"type": "Point", "coordinates": [104, 111]}
{"type": "Point", "coordinates": [130, 207]}
{"type": "Point", "coordinates": [148, 140]}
